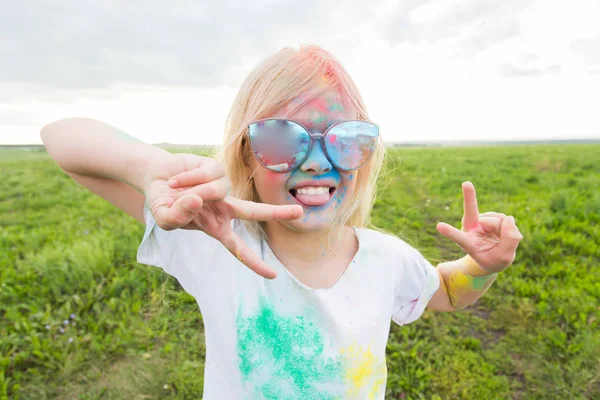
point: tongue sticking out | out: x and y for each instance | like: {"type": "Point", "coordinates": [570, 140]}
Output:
{"type": "Point", "coordinates": [313, 199]}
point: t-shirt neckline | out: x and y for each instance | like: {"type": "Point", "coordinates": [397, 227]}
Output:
{"type": "Point", "coordinates": [265, 246]}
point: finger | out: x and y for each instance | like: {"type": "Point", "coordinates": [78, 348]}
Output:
{"type": "Point", "coordinates": [509, 239]}
{"type": "Point", "coordinates": [208, 170]}
{"type": "Point", "coordinates": [211, 191]}
{"type": "Point", "coordinates": [509, 229]}
{"type": "Point", "coordinates": [493, 214]}
{"type": "Point", "coordinates": [242, 252]}
{"type": "Point", "coordinates": [252, 211]}
{"type": "Point", "coordinates": [459, 237]}
{"type": "Point", "coordinates": [490, 224]}
{"type": "Point", "coordinates": [179, 214]}
{"type": "Point", "coordinates": [471, 213]}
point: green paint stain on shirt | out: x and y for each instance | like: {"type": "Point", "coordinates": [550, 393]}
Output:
{"type": "Point", "coordinates": [283, 357]}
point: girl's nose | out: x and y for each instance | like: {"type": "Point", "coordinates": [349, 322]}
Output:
{"type": "Point", "coordinates": [317, 160]}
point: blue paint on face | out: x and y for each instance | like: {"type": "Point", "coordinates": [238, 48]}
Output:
{"type": "Point", "coordinates": [306, 215]}
{"type": "Point", "coordinates": [298, 175]}
{"type": "Point", "coordinates": [317, 160]}
{"type": "Point", "coordinates": [316, 167]}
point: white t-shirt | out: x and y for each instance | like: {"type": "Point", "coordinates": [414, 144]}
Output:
{"type": "Point", "coordinates": [279, 339]}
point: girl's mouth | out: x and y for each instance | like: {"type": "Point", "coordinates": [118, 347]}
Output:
{"type": "Point", "coordinates": [313, 195]}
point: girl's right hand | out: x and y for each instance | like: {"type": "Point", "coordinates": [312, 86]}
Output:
{"type": "Point", "coordinates": [187, 191]}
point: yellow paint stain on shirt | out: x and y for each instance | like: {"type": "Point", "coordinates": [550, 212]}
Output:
{"type": "Point", "coordinates": [364, 371]}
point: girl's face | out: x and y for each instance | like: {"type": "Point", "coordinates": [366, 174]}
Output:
{"type": "Point", "coordinates": [316, 184]}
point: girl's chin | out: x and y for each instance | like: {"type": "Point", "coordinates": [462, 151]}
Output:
{"type": "Point", "coordinates": [309, 225]}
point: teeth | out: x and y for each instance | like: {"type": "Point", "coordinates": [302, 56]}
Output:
{"type": "Point", "coordinates": [313, 190]}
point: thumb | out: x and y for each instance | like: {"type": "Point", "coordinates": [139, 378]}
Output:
{"type": "Point", "coordinates": [458, 236]}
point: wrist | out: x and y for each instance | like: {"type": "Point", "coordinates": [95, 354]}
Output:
{"type": "Point", "coordinates": [144, 166]}
{"type": "Point", "coordinates": [475, 269]}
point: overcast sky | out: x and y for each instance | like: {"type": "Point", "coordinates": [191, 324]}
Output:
{"type": "Point", "coordinates": [428, 69]}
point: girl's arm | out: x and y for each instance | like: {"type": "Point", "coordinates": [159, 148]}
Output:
{"type": "Point", "coordinates": [462, 282]}
{"type": "Point", "coordinates": [117, 193]}
{"type": "Point", "coordinates": [102, 158]}
{"type": "Point", "coordinates": [108, 161]}
{"type": "Point", "coordinates": [490, 241]}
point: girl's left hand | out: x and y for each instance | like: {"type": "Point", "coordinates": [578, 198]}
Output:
{"type": "Point", "coordinates": [491, 239]}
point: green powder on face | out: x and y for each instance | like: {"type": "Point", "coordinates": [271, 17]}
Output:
{"type": "Point", "coordinates": [283, 357]}
{"type": "Point", "coordinates": [335, 107]}
{"type": "Point", "coordinates": [317, 117]}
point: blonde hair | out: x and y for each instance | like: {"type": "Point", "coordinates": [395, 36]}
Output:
{"type": "Point", "coordinates": [309, 71]}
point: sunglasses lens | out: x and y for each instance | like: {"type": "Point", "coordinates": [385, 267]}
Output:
{"type": "Point", "coordinates": [280, 145]}
{"type": "Point", "coordinates": [351, 144]}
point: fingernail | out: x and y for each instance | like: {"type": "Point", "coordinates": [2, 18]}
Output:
{"type": "Point", "coordinates": [172, 182]}
{"type": "Point", "coordinates": [511, 219]}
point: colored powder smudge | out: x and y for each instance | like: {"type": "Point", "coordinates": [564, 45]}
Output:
{"type": "Point", "coordinates": [365, 371]}
{"type": "Point", "coordinates": [317, 117]}
{"type": "Point", "coordinates": [306, 215]}
{"type": "Point", "coordinates": [336, 107]}
{"type": "Point", "coordinates": [320, 104]}
{"type": "Point", "coordinates": [283, 357]}
{"type": "Point", "coordinates": [460, 283]}
{"type": "Point", "coordinates": [479, 282]}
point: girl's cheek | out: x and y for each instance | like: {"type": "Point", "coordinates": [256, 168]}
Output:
{"type": "Point", "coordinates": [350, 181]}
{"type": "Point", "coordinates": [273, 178]}
{"type": "Point", "coordinates": [270, 177]}
{"type": "Point", "coordinates": [266, 181]}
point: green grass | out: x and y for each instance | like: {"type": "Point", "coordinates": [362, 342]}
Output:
{"type": "Point", "coordinates": [137, 335]}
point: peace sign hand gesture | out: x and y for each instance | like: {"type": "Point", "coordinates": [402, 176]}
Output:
{"type": "Point", "coordinates": [187, 191]}
{"type": "Point", "coordinates": [491, 239]}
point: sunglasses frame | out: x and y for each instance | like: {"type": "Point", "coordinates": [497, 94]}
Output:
{"type": "Point", "coordinates": [313, 137]}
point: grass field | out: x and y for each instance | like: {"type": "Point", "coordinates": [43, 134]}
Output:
{"type": "Point", "coordinates": [80, 319]}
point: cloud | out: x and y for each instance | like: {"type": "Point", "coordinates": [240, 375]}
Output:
{"type": "Point", "coordinates": [92, 45]}
{"type": "Point", "coordinates": [516, 72]}
{"type": "Point", "coordinates": [588, 50]}
{"type": "Point", "coordinates": [474, 24]}
{"type": "Point", "coordinates": [13, 116]}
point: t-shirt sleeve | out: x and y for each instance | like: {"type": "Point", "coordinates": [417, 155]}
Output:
{"type": "Point", "coordinates": [183, 254]}
{"type": "Point", "coordinates": [416, 283]}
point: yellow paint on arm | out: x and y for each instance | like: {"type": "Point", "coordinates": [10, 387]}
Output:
{"type": "Point", "coordinates": [465, 280]}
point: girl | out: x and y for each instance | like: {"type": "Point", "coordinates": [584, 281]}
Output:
{"type": "Point", "coordinates": [289, 198]}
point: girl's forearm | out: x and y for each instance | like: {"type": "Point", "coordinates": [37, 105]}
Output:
{"type": "Point", "coordinates": [465, 281]}
{"type": "Point", "coordinates": [90, 147]}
